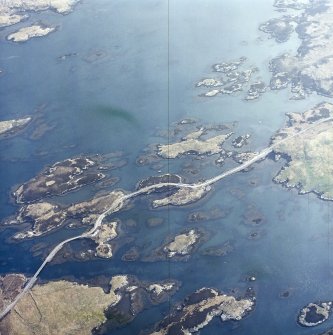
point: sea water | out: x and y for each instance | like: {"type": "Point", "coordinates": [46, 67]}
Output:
{"type": "Point", "coordinates": [133, 70]}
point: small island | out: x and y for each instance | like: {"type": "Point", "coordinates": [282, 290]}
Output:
{"type": "Point", "coordinates": [201, 307]}
{"type": "Point", "coordinates": [193, 143]}
{"type": "Point", "coordinates": [179, 247]}
{"type": "Point", "coordinates": [11, 127]}
{"type": "Point", "coordinates": [60, 178]}
{"type": "Point", "coordinates": [26, 33]}
{"type": "Point", "coordinates": [231, 77]}
{"type": "Point", "coordinates": [314, 314]}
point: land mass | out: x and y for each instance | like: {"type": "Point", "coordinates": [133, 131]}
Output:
{"type": "Point", "coordinates": [310, 69]}
{"type": "Point", "coordinates": [119, 199]}
{"type": "Point", "coordinates": [309, 167]}
{"type": "Point", "coordinates": [64, 307]}
{"type": "Point", "coordinates": [13, 12]}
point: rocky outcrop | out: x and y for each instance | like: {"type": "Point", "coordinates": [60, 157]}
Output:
{"type": "Point", "coordinates": [26, 33]}
{"type": "Point", "coordinates": [45, 216]}
{"type": "Point", "coordinates": [13, 12]}
{"type": "Point", "coordinates": [314, 314]}
{"type": "Point", "coordinates": [200, 308]}
{"type": "Point", "coordinates": [62, 177]}
{"type": "Point", "coordinates": [183, 196]}
{"type": "Point", "coordinates": [10, 127]}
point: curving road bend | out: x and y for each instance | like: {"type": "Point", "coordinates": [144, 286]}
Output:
{"type": "Point", "coordinates": [261, 155]}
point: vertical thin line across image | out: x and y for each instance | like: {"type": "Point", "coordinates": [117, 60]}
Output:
{"type": "Point", "coordinates": [168, 120]}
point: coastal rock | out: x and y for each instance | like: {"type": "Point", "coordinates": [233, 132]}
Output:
{"type": "Point", "coordinates": [182, 244]}
{"type": "Point", "coordinates": [10, 127]}
{"type": "Point", "coordinates": [45, 217]}
{"type": "Point", "coordinates": [309, 167]}
{"type": "Point", "coordinates": [314, 314]}
{"type": "Point", "coordinates": [200, 308]}
{"type": "Point", "coordinates": [210, 82]}
{"type": "Point", "coordinates": [226, 67]}
{"type": "Point", "coordinates": [234, 78]}
{"type": "Point", "coordinates": [82, 308]}
{"type": "Point", "coordinates": [178, 247]}
{"type": "Point", "coordinates": [13, 12]}
{"type": "Point", "coordinates": [279, 28]}
{"type": "Point", "coordinates": [313, 63]}
{"type": "Point", "coordinates": [26, 33]}
{"type": "Point", "coordinates": [183, 196]}
{"type": "Point", "coordinates": [256, 90]}
{"type": "Point", "coordinates": [299, 91]}
{"type": "Point", "coordinates": [280, 80]}
{"type": "Point", "coordinates": [240, 141]}
{"type": "Point", "coordinates": [134, 297]}
{"type": "Point", "coordinates": [162, 179]}
{"type": "Point", "coordinates": [60, 178]}
{"type": "Point", "coordinates": [294, 4]}
{"type": "Point", "coordinates": [106, 233]}
{"type": "Point", "coordinates": [242, 157]}
{"type": "Point", "coordinates": [208, 146]}
{"type": "Point", "coordinates": [212, 93]}
{"type": "Point", "coordinates": [232, 88]}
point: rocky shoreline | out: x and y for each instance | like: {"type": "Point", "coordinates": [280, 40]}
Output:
{"type": "Point", "coordinates": [11, 127]}
{"type": "Point", "coordinates": [26, 33]}
{"type": "Point", "coordinates": [199, 308]}
{"type": "Point", "coordinates": [81, 308]}
{"type": "Point", "coordinates": [308, 167]}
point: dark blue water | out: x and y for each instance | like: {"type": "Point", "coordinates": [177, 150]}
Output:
{"type": "Point", "coordinates": [115, 101]}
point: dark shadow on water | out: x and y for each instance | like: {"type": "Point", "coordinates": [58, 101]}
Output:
{"type": "Point", "coordinates": [114, 113]}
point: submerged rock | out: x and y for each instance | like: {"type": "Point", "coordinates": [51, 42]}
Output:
{"type": "Point", "coordinates": [314, 314]}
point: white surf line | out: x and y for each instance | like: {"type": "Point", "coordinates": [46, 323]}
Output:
{"type": "Point", "coordinates": [262, 154]}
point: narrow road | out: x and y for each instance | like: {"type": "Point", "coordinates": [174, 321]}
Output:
{"type": "Point", "coordinates": [262, 154]}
